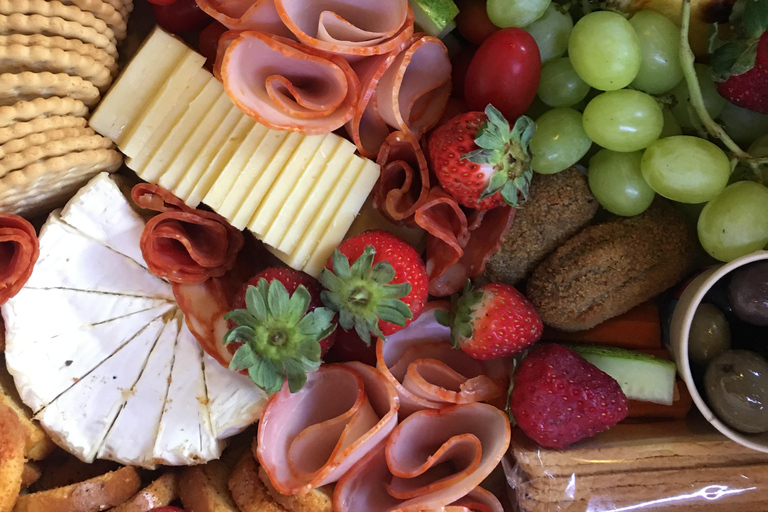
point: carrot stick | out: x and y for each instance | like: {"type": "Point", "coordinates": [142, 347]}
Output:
{"type": "Point", "coordinates": [678, 410]}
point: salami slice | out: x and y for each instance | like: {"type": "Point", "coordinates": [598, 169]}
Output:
{"type": "Point", "coordinates": [19, 249]}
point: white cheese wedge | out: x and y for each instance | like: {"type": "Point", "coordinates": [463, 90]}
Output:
{"type": "Point", "coordinates": [138, 84]}
{"type": "Point", "coordinates": [100, 211]}
{"type": "Point", "coordinates": [303, 183]}
{"type": "Point", "coordinates": [145, 125]}
{"type": "Point", "coordinates": [131, 439]}
{"type": "Point", "coordinates": [319, 194]}
{"type": "Point", "coordinates": [69, 259]}
{"type": "Point", "coordinates": [46, 367]}
{"type": "Point", "coordinates": [184, 433]}
{"type": "Point", "coordinates": [81, 418]}
{"type": "Point", "coordinates": [232, 397]}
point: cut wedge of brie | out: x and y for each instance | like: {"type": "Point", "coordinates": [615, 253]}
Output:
{"type": "Point", "coordinates": [100, 352]}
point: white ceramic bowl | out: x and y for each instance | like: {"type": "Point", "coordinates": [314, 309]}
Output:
{"type": "Point", "coordinates": [680, 329]}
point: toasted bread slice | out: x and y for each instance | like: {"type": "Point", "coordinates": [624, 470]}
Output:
{"type": "Point", "coordinates": [204, 488]}
{"type": "Point", "coordinates": [159, 493]}
{"type": "Point", "coordinates": [11, 458]}
{"type": "Point", "coordinates": [98, 493]}
{"type": "Point", "coordinates": [30, 474]}
{"type": "Point", "coordinates": [247, 489]}
{"type": "Point", "coordinates": [318, 500]}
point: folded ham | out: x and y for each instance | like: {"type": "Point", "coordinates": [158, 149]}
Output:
{"type": "Point", "coordinates": [404, 181]}
{"type": "Point", "coordinates": [433, 459]}
{"type": "Point", "coordinates": [406, 89]}
{"type": "Point", "coordinates": [260, 15]}
{"type": "Point", "coordinates": [286, 85]}
{"type": "Point", "coordinates": [348, 27]}
{"type": "Point", "coordinates": [19, 249]}
{"type": "Point", "coordinates": [429, 373]}
{"type": "Point", "coordinates": [182, 244]}
{"type": "Point", "coordinates": [312, 438]}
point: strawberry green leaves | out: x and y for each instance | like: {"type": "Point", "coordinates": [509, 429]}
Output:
{"type": "Point", "coordinates": [738, 54]}
{"type": "Point", "coordinates": [459, 318]}
{"type": "Point", "coordinates": [278, 339]}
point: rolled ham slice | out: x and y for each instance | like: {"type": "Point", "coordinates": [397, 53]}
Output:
{"type": "Point", "coordinates": [19, 249]}
{"type": "Point", "coordinates": [182, 244]}
{"type": "Point", "coordinates": [349, 27]}
{"type": "Point", "coordinates": [434, 459]}
{"type": "Point", "coordinates": [312, 438]}
{"type": "Point", "coordinates": [429, 373]}
{"type": "Point", "coordinates": [404, 181]}
{"type": "Point", "coordinates": [260, 15]}
{"type": "Point", "coordinates": [288, 86]}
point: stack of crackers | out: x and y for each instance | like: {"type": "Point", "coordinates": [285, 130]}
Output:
{"type": "Point", "coordinates": [57, 57]}
{"type": "Point", "coordinates": [680, 466]}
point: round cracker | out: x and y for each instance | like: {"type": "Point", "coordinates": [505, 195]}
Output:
{"type": "Point", "coordinates": [42, 186]}
{"type": "Point", "coordinates": [69, 45]}
{"type": "Point", "coordinates": [36, 24]}
{"type": "Point", "coordinates": [41, 138]}
{"type": "Point", "coordinates": [54, 8]}
{"type": "Point", "coordinates": [104, 11]}
{"type": "Point", "coordinates": [24, 111]}
{"type": "Point", "coordinates": [38, 125]}
{"type": "Point", "coordinates": [16, 161]}
{"type": "Point", "coordinates": [17, 58]}
{"type": "Point", "coordinates": [27, 85]}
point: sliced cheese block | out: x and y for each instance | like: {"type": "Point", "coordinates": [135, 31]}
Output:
{"type": "Point", "coordinates": [185, 428]}
{"type": "Point", "coordinates": [261, 156]}
{"type": "Point", "coordinates": [319, 194]}
{"type": "Point", "coordinates": [228, 146]}
{"type": "Point", "coordinates": [159, 165]}
{"type": "Point", "coordinates": [69, 356]}
{"type": "Point", "coordinates": [184, 102]}
{"type": "Point", "coordinates": [303, 185]}
{"type": "Point", "coordinates": [144, 126]}
{"type": "Point", "coordinates": [99, 211]}
{"type": "Point", "coordinates": [139, 420]}
{"type": "Point", "coordinates": [69, 259]}
{"type": "Point", "coordinates": [86, 412]}
{"type": "Point", "coordinates": [139, 83]}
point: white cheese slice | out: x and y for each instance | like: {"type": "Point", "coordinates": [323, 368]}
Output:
{"type": "Point", "coordinates": [101, 211]}
{"type": "Point", "coordinates": [131, 439]}
{"type": "Point", "coordinates": [232, 397]}
{"type": "Point", "coordinates": [185, 429]}
{"type": "Point", "coordinates": [69, 259]}
{"type": "Point", "coordinates": [80, 418]}
{"type": "Point", "coordinates": [66, 310]}
{"type": "Point", "coordinates": [44, 368]}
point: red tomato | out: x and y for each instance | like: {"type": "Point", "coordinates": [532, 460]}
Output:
{"type": "Point", "coordinates": [161, 2]}
{"type": "Point", "coordinates": [208, 43]}
{"type": "Point", "coordinates": [459, 65]}
{"type": "Point", "coordinates": [473, 21]}
{"type": "Point", "coordinates": [504, 72]}
{"type": "Point", "coordinates": [181, 16]}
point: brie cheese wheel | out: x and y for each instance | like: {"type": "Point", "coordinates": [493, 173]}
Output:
{"type": "Point", "coordinates": [100, 352]}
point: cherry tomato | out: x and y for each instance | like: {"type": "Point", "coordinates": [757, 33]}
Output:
{"type": "Point", "coordinates": [162, 2]}
{"type": "Point", "coordinates": [181, 16]}
{"type": "Point", "coordinates": [349, 347]}
{"type": "Point", "coordinates": [504, 72]}
{"type": "Point", "coordinates": [459, 65]}
{"type": "Point", "coordinates": [208, 43]}
{"type": "Point", "coordinates": [473, 21]}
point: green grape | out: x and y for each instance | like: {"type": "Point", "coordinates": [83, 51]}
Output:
{"type": "Point", "coordinates": [743, 125]}
{"type": "Point", "coordinates": [515, 13]}
{"type": "Point", "coordinates": [713, 102]}
{"type": "Point", "coordinates": [671, 126]}
{"type": "Point", "coordinates": [551, 32]}
{"type": "Point", "coordinates": [686, 169]}
{"type": "Point", "coordinates": [560, 85]}
{"type": "Point", "coordinates": [624, 120]}
{"type": "Point", "coordinates": [735, 222]}
{"type": "Point", "coordinates": [660, 68]}
{"type": "Point", "coordinates": [559, 141]}
{"type": "Point", "coordinates": [605, 50]}
{"type": "Point", "coordinates": [617, 183]}
{"type": "Point", "coordinates": [759, 148]}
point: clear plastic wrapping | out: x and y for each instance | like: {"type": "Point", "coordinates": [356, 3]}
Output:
{"type": "Point", "coordinates": [681, 466]}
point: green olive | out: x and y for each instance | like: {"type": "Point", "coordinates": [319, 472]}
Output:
{"type": "Point", "coordinates": [736, 384]}
{"type": "Point", "coordinates": [710, 334]}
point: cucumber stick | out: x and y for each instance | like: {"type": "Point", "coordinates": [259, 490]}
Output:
{"type": "Point", "coordinates": [435, 17]}
{"type": "Point", "coordinates": [641, 376]}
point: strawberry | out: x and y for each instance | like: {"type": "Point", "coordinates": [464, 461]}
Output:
{"type": "Point", "coordinates": [493, 321]}
{"type": "Point", "coordinates": [382, 291]}
{"type": "Point", "coordinates": [480, 161]}
{"type": "Point", "coordinates": [740, 65]}
{"type": "Point", "coordinates": [559, 398]}
{"type": "Point", "coordinates": [277, 333]}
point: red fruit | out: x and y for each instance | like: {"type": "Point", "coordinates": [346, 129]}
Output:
{"type": "Point", "coordinates": [459, 66]}
{"type": "Point", "coordinates": [377, 282]}
{"type": "Point", "coordinates": [349, 347]}
{"type": "Point", "coordinates": [208, 42]}
{"type": "Point", "coordinates": [749, 89]}
{"type": "Point", "coordinates": [480, 161]}
{"type": "Point", "coordinates": [181, 16]}
{"type": "Point", "coordinates": [505, 73]}
{"type": "Point", "coordinates": [291, 279]}
{"type": "Point", "coordinates": [559, 398]}
{"type": "Point", "coordinates": [473, 21]}
{"type": "Point", "coordinates": [167, 509]}
{"type": "Point", "coordinates": [492, 321]}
